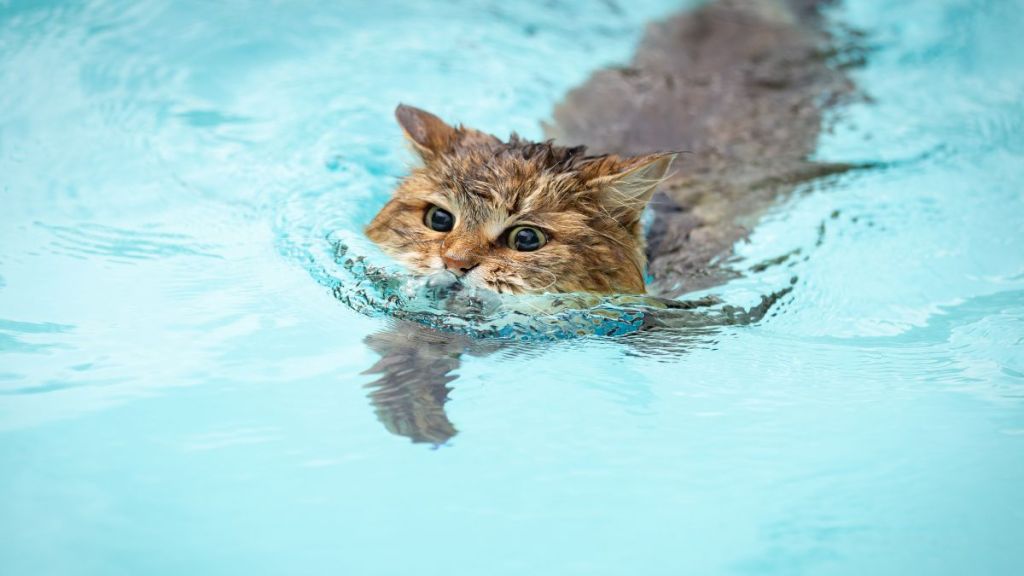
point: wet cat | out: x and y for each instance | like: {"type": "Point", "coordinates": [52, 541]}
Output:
{"type": "Point", "coordinates": [518, 216]}
{"type": "Point", "coordinates": [741, 86]}
{"type": "Point", "coordinates": [745, 87]}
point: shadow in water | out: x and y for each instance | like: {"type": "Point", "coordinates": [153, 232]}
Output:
{"type": "Point", "coordinates": [415, 367]}
{"type": "Point", "coordinates": [418, 364]}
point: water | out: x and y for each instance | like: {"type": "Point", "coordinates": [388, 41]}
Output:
{"type": "Point", "coordinates": [178, 393]}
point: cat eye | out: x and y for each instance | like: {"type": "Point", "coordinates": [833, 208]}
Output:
{"type": "Point", "coordinates": [439, 219]}
{"type": "Point", "coordinates": [526, 238]}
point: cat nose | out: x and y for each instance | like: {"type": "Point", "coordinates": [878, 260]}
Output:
{"type": "Point", "coordinates": [459, 264]}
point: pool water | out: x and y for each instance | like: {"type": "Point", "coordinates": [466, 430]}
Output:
{"type": "Point", "coordinates": [179, 394]}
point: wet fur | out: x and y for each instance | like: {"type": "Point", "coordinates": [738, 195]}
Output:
{"type": "Point", "coordinates": [589, 208]}
{"type": "Point", "coordinates": [743, 86]}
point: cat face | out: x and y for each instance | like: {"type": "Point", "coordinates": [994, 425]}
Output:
{"type": "Point", "coordinates": [518, 216]}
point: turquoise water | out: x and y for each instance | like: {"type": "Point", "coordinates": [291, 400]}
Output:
{"type": "Point", "coordinates": [180, 395]}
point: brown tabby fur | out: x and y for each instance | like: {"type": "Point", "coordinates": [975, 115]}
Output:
{"type": "Point", "coordinates": [588, 207]}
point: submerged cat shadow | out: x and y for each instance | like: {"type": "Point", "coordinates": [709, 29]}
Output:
{"type": "Point", "coordinates": [418, 364]}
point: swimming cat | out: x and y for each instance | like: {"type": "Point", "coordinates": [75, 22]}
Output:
{"type": "Point", "coordinates": [517, 216]}
{"type": "Point", "coordinates": [742, 87]}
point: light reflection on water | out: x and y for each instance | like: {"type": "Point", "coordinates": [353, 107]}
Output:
{"type": "Point", "coordinates": [178, 395]}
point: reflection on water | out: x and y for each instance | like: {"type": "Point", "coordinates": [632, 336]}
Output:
{"type": "Point", "coordinates": [413, 374]}
{"type": "Point", "coordinates": [418, 363]}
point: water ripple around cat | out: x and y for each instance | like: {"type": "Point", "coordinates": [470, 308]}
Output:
{"type": "Point", "coordinates": [313, 229]}
{"type": "Point", "coordinates": [86, 240]}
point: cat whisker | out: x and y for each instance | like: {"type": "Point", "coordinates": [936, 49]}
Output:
{"type": "Point", "coordinates": [554, 277]}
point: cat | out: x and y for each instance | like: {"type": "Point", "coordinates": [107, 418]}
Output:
{"type": "Point", "coordinates": [742, 87]}
{"type": "Point", "coordinates": [518, 216]}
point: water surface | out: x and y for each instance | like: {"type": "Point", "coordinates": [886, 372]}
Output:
{"type": "Point", "coordinates": [178, 393]}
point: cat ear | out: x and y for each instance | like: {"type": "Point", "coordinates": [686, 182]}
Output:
{"type": "Point", "coordinates": [428, 133]}
{"type": "Point", "coordinates": [626, 191]}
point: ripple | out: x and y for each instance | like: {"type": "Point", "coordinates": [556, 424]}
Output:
{"type": "Point", "coordinates": [14, 336]}
{"type": "Point", "coordinates": [372, 285]}
{"type": "Point", "coordinates": [120, 244]}
{"type": "Point", "coordinates": [45, 387]}
{"type": "Point", "coordinates": [211, 118]}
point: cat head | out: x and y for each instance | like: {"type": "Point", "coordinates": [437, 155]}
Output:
{"type": "Point", "coordinates": [518, 216]}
